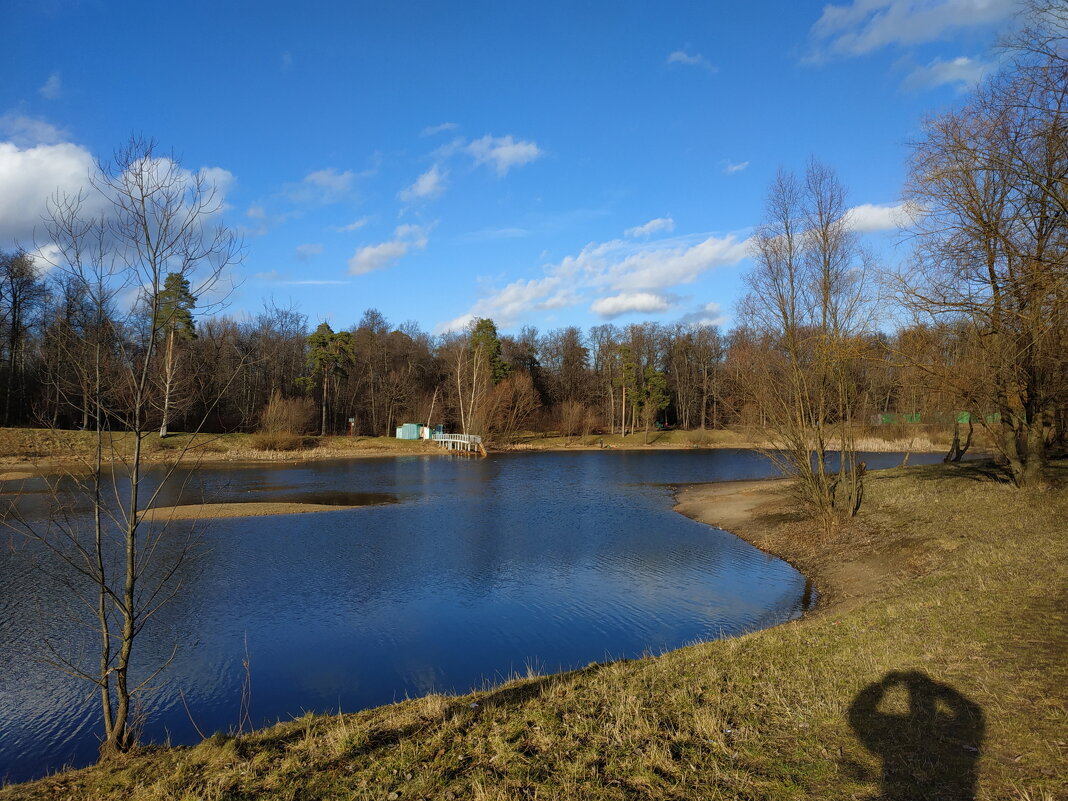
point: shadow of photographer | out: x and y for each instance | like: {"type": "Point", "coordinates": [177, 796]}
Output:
{"type": "Point", "coordinates": [927, 734]}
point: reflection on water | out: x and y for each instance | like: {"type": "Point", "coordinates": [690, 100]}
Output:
{"type": "Point", "coordinates": [484, 567]}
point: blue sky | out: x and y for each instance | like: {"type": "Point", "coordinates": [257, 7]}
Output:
{"type": "Point", "coordinates": [540, 163]}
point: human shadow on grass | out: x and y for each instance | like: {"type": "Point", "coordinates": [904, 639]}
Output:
{"type": "Point", "coordinates": [927, 734]}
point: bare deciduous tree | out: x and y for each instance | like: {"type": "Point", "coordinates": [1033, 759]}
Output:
{"type": "Point", "coordinates": [989, 183]}
{"type": "Point", "coordinates": [145, 218]}
{"type": "Point", "coordinates": [805, 313]}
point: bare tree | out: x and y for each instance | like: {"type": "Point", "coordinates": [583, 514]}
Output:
{"type": "Point", "coordinates": [145, 218]}
{"type": "Point", "coordinates": [988, 181]}
{"type": "Point", "coordinates": [805, 312]}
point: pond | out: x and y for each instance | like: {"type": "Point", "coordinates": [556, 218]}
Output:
{"type": "Point", "coordinates": [455, 573]}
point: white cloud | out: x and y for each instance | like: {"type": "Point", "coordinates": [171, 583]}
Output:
{"type": "Point", "coordinates": [503, 152]}
{"type": "Point", "coordinates": [52, 89]}
{"type": "Point", "coordinates": [862, 26]}
{"type": "Point", "coordinates": [621, 268]}
{"type": "Point", "coordinates": [731, 167]}
{"type": "Point", "coordinates": [376, 257]}
{"type": "Point", "coordinates": [669, 263]}
{"type": "Point", "coordinates": [29, 178]}
{"type": "Point", "coordinates": [871, 217]}
{"type": "Point", "coordinates": [305, 252]}
{"type": "Point", "coordinates": [708, 314]}
{"type": "Point", "coordinates": [963, 71]}
{"type": "Point", "coordinates": [355, 225]}
{"type": "Point", "coordinates": [691, 60]}
{"type": "Point", "coordinates": [645, 302]}
{"type": "Point", "coordinates": [26, 131]}
{"type": "Point", "coordinates": [428, 185]}
{"type": "Point", "coordinates": [222, 180]}
{"type": "Point", "coordinates": [322, 186]}
{"type": "Point", "coordinates": [652, 227]}
{"type": "Point", "coordinates": [256, 212]}
{"type": "Point", "coordinates": [287, 61]}
{"type": "Point", "coordinates": [455, 324]}
{"type": "Point", "coordinates": [436, 129]}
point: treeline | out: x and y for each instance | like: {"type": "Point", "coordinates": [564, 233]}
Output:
{"type": "Point", "coordinates": [221, 372]}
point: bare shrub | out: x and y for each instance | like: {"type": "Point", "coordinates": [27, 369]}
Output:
{"type": "Point", "coordinates": [572, 417]}
{"type": "Point", "coordinates": [287, 415]}
{"type": "Point", "coordinates": [284, 423]}
{"type": "Point", "coordinates": [699, 438]}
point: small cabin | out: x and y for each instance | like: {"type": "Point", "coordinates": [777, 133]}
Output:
{"type": "Point", "coordinates": [408, 431]}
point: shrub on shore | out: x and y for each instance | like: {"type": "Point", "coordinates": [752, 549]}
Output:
{"type": "Point", "coordinates": [283, 424]}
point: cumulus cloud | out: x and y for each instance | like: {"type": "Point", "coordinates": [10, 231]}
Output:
{"type": "Point", "coordinates": [428, 185]}
{"type": "Point", "coordinates": [644, 302]}
{"type": "Point", "coordinates": [32, 175]}
{"type": "Point", "coordinates": [52, 89]}
{"type": "Point", "coordinates": [964, 72]}
{"type": "Point", "coordinates": [322, 186]}
{"type": "Point", "coordinates": [871, 217]}
{"type": "Point", "coordinates": [222, 180]}
{"type": "Point", "coordinates": [614, 273]}
{"type": "Point", "coordinates": [731, 167]}
{"type": "Point", "coordinates": [503, 152]}
{"type": "Point", "coordinates": [29, 177]}
{"type": "Point", "coordinates": [862, 26]}
{"type": "Point", "coordinates": [669, 263]}
{"type": "Point", "coordinates": [433, 130]}
{"type": "Point", "coordinates": [27, 131]}
{"type": "Point", "coordinates": [665, 224]}
{"type": "Point", "coordinates": [691, 60]}
{"type": "Point", "coordinates": [376, 257]}
{"type": "Point", "coordinates": [708, 314]}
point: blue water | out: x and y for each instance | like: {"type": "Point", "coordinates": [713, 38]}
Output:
{"type": "Point", "coordinates": [478, 569]}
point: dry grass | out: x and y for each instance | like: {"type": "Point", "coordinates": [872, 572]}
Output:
{"type": "Point", "coordinates": [47, 448]}
{"type": "Point", "coordinates": [965, 580]}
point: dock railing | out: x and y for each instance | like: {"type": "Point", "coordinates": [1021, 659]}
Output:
{"type": "Point", "coordinates": [472, 443]}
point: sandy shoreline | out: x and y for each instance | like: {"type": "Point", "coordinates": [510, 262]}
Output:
{"type": "Point", "coordinates": [218, 511]}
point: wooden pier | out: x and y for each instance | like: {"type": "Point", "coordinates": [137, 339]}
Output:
{"type": "Point", "coordinates": [470, 443]}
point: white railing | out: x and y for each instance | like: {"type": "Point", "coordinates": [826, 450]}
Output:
{"type": "Point", "coordinates": [460, 442]}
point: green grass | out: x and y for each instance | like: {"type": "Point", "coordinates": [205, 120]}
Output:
{"type": "Point", "coordinates": [967, 584]}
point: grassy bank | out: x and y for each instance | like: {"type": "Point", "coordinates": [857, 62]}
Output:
{"type": "Point", "coordinates": [955, 582]}
{"type": "Point", "coordinates": [22, 448]}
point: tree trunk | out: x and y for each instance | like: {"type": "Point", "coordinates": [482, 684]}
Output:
{"type": "Point", "coordinates": [168, 375]}
{"type": "Point", "coordinates": [322, 427]}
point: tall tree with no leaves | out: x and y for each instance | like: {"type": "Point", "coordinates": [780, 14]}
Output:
{"type": "Point", "coordinates": [805, 312]}
{"type": "Point", "coordinates": [988, 184]}
{"type": "Point", "coordinates": [145, 218]}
